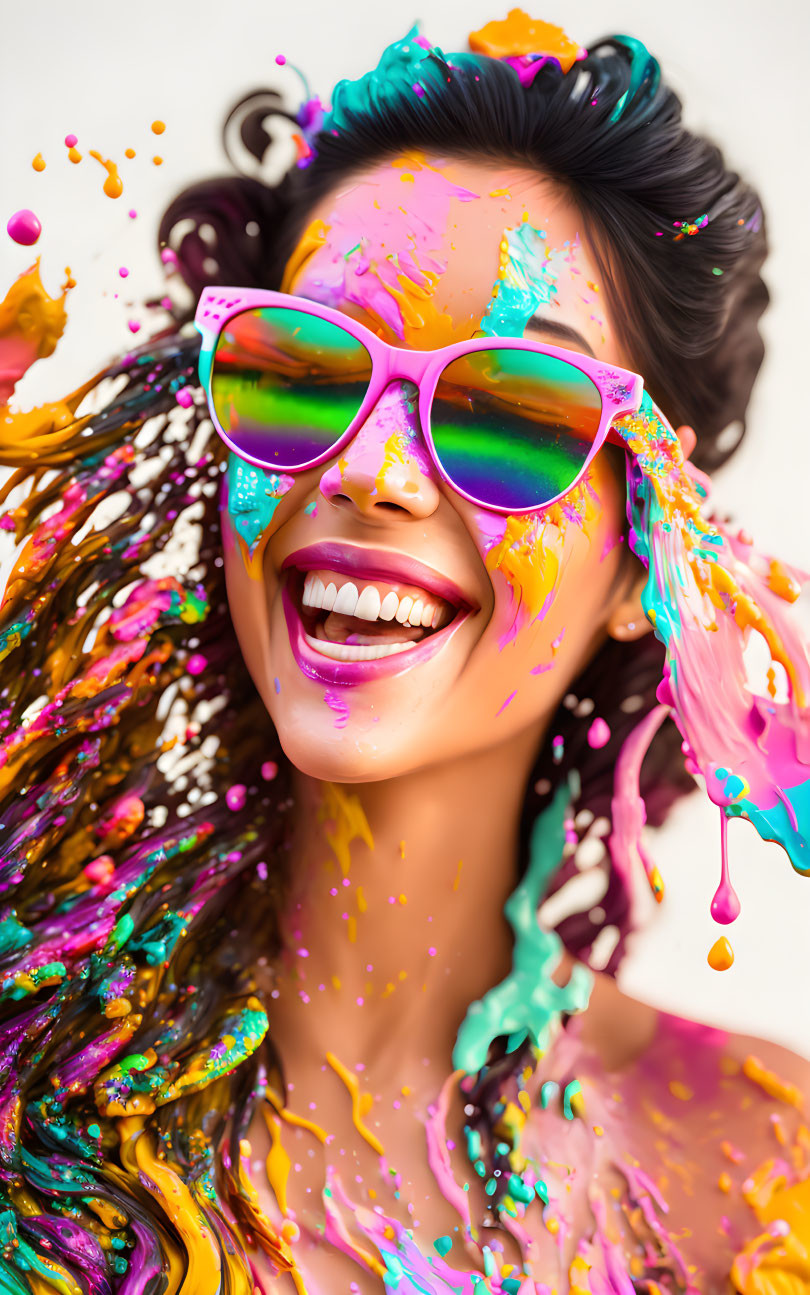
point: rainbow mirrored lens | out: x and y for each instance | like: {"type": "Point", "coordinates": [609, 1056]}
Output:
{"type": "Point", "coordinates": [285, 385]}
{"type": "Point", "coordinates": [514, 428]}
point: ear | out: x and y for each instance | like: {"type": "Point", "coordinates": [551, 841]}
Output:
{"type": "Point", "coordinates": [627, 620]}
{"type": "Point", "coordinates": [688, 439]}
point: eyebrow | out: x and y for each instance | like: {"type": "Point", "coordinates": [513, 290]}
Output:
{"type": "Point", "coordinates": [563, 332]}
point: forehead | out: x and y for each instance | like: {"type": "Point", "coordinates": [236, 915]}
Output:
{"type": "Point", "coordinates": [415, 247]}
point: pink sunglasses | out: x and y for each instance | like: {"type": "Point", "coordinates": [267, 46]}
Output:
{"type": "Point", "coordinates": [511, 424]}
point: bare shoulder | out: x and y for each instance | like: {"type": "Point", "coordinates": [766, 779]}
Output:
{"type": "Point", "coordinates": [777, 1070]}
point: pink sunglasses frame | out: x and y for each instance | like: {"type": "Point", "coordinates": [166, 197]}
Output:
{"type": "Point", "coordinates": [620, 389]}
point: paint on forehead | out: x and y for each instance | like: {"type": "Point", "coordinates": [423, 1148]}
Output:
{"type": "Point", "coordinates": [250, 497]}
{"type": "Point", "coordinates": [381, 248]}
{"type": "Point", "coordinates": [527, 280]}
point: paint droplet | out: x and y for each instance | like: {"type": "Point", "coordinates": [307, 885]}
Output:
{"type": "Point", "coordinates": [132, 214]}
{"type": "Point", "coordinates": [290, 1231]}
{"type": "Point", "coordinates": [281, 59]}
{"type": "Point", "coordinates": [196, 663]}
{"type": "Point", "coordinates": [168, 257]}
{"type": "Point", "coordinates": [721, 955]}
{"type": "Point", "coordinates": [442, 1245]}
{"type": "Point", "coordinates": [113, 185]}
{"type": "Point", "coordinates": [71, 141]}
{"type": "Point", "coordinates": [74, 155]}
{"type": "Point", "coordinates": [24, 227]}
{"type": "Point", "coordinates": [129, 152]}
{"type": "Point", "coordinates": [235, 796]}
{"type": "Point", "coordinates": [269, 770]}
{"type": "Point", "coordinates": [158, 161]}
{"type": "Point", "coordinates": [598, 733]}
{"type": "Point", "coordinates": [184, 398]}
{"type": "Point", "coordinates": [38, 163]}
{"type": "Point", "coordinates": [158, 127]}
{"type": "Point", "coordinates": [277, 685]}
{"type": "Point", "coordinates": [123, 271]}
{"type": "Point", "coordinates": [133, 326]}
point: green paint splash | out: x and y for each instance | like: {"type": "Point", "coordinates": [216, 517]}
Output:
{"type": "Point", "coordinates": [528, 1002]}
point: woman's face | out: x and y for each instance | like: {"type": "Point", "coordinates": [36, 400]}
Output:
{"type": "Point", "coordinates": [512, 607]}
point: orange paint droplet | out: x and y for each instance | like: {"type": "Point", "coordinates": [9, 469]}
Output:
{"type": "Point", "coordinates": [113, 185]}
{"type": "Point", "coordinates": [38, 163]}
{"type": "Point", "coordinates": [721, 955]}
{"type": "Point", "coordinates": [70, 282]}
{"type": "Point", "coordinates": [724, 1183]}
{"type": "Point", "coordinates": [158, 127]}
{"type": "Point", "coordinates": [74, 155]}
{"type": "Point", "coordinates": [656, 884]}
{"type": "Point", "coordinates": [518, 34]}
{"type": "Point", "coordinates": [158, 161]}
{"type": "Point", "coordinates": [129, 152]}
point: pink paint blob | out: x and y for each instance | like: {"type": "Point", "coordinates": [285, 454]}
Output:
{"type": "Point", "coordinates": [123, 271]}
{"type": "Point", "coordinates": [184, 398]}
{"type": "Point", "coordinates": [24, 227]}
{"type": "Point", "coordinates": [725, 906]}
{"type": "Point", "coordinates": [71, 141]}
{"type": "Point", "coordinates": [269, 770]}
{"type": "Point", "coordinates": [168, 257]}
{"type": "Point", "coordinates": [235, 796]}
{"type": "Point", "coordinates": [132, 214]}
{"type": "Point", "coordinates": [133, 326]}
{"type": "Point", "coordinates": [196, 663]}
{"type": "Point", "coordinates": [598, 733]}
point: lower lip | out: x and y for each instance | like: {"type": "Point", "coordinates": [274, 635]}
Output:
{"type": "Point", "coordinates": [326, 670]}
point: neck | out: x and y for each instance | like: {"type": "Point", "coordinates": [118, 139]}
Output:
{"type": "Point", "coordinates": [394, 918]}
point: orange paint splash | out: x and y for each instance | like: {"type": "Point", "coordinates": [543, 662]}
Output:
{"type": "Point", "coordinates": [113, 185]}
{"type": "Point", "coordinates": [38, 163]}
{"type": "Point", "coordinates": [518, 34]}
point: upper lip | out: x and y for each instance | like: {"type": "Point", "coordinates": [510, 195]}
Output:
{"type": "Point", "coordinates": [376, 564]}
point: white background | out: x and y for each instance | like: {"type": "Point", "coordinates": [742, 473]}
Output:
{"type": "Point", "coordinates": [105, 71]}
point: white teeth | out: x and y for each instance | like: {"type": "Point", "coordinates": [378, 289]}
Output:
{"type": "Point", "coordinates": [355, 651]}
{"type": "Point", "coordinates": [368, 604]}
{"type": "Point", "coordinates": [346, 600]}
{"type": "Point", "coordinates": [388, 607]}
{"type": "Point", "coordinates": [404, 609]}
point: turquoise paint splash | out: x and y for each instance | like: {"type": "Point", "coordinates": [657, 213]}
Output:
{"type": "Point", "coordinates": [251, 498]}
{"type": "Point", "coordinates": [527, 1003]}
{"type": "Point", "coordinates": [527, 281]}
{"type": "Point", "coordinates": [410, 67]}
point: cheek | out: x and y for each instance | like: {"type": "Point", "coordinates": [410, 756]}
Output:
{"type": "Point", "coordinates": [248, 502]}
{"type": "Point", "coordinates": [548, 561]}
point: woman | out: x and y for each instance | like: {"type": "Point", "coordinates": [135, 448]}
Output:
{"type": "Point", "coordinates": [267, 1027]}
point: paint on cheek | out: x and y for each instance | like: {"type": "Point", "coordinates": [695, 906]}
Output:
{"type": "Point", "coordinates": [527, 280]}
{"type": "Point", "coordinates": [337, 703]}
{"type": "Point", "coordinates": [711, 596]}
{"type": "Point", "coordinates": [530, 554]}
{"type": "Point", "coordinates": [250, 497]}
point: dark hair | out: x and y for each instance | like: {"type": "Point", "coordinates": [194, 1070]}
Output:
{"type": "Point", "coordinates": [128, 878]}
{"type": "Point", "coordinates": [679, 240]}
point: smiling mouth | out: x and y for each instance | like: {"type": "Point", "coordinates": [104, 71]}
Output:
{"type": "Point", "coordinates": [349, 618]}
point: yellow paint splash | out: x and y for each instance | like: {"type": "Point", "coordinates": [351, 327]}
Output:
{"type": "Point", "coordinates": [361, 1103]}
{"type": "Point", "coordinates": [348, 821]}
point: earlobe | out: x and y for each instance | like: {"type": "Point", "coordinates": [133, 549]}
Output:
{"type": "Point", "coordinates": [627, 620]}
{"type": "Point", "coordinates": [626, 631]}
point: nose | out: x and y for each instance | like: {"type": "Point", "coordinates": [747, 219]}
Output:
{"type": "Point", "coordinates": [386, 464]}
